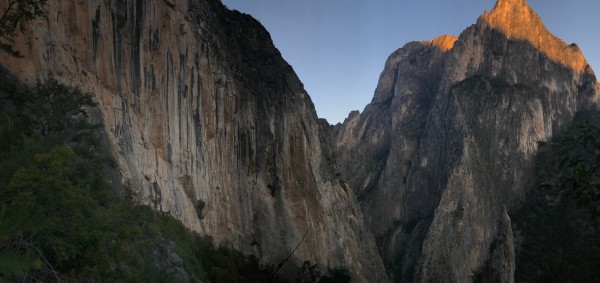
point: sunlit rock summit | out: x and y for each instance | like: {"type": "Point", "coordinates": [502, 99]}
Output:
{"type": "Point", "coordinates": [445, 150]}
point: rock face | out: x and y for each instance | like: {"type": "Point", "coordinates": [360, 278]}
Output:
{"type": "Point", "coordinates": [447, 144]}
{"type": "Point", "coordinates": [208, 123]}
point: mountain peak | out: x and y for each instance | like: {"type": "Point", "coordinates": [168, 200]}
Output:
{"type": "Point", "coordinates": [515, 18]}
{"type": "Point", "coordinates": [511, 3]}
{"type": "Point", "coordinates": [518, 21]}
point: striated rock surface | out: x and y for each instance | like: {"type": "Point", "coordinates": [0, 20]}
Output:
{"type": "Point", "coordinates": [376, 149]}
{"type": "Point", "coordinates": [448, 142]}
{"type": "Point", "coordinates": [207, 123]}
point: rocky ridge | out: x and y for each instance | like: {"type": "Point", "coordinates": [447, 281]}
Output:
{"type": "Point", "coordinates": [446, 147]}
{"type": "Point", "coordinates": [207, 123]}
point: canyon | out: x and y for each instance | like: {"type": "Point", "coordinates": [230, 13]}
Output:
{"type": "Point", "coordinates": [209, 124]}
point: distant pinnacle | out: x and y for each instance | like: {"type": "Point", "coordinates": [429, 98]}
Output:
{"type": "Point", "coordinates": [515, 15]}
{"type": "Point", "coordinates": [517, 20]}
{"type": "Point", "coordinates": [511, 2]}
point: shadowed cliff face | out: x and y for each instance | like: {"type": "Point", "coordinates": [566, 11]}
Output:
{"type": "Point", "coordinates": [447, 145]}
{"type": "Point", "coordinates": [377, 148]}
{"type": "Point", "coordinates": [207, 123]}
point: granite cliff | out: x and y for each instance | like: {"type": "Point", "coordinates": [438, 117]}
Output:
{"type": "Point", "coordinates": [207, 123]}
{"type": "Point", "coordinates": [445, 150]}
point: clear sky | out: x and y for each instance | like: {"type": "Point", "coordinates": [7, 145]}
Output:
{"type": "Point", "coordinates": [338, 47]}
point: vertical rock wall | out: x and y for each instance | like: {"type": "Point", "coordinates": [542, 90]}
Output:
{"type": "Point", "coordinates": [377, 147]}
{"type": "Point", "coordinates": [207, 123]}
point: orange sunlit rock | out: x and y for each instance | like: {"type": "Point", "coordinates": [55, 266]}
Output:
{"type": "Point", "coordinates": [444, 42]}
{"type": "Point", "coordinates": [517, 20]}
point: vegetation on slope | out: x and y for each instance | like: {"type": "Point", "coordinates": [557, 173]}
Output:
{"type": "Point", "coordinates": [15, 14]}
{"type": "Point", "coordinates": [60, 219]}
{"type": "Point", "coordinates": [558, 237]}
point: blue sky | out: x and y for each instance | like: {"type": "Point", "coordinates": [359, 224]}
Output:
{"type": "Point", "coordinates": [338, 47]}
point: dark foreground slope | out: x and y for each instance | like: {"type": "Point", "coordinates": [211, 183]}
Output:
{"type": "Point", "coordinates": [207, 123]}
{"type": "Point", "coordinates": [556, 229]}
{"type": "Point", "coordinates": [61, 219]}
{"type": "Point", "coordinates": [447, 146]}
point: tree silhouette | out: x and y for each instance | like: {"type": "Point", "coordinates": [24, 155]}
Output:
{"type": "Point", "coordinates": [15, 14]}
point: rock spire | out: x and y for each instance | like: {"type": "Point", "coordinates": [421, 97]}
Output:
{"type": "Point", "coordinates": [517, 20]}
